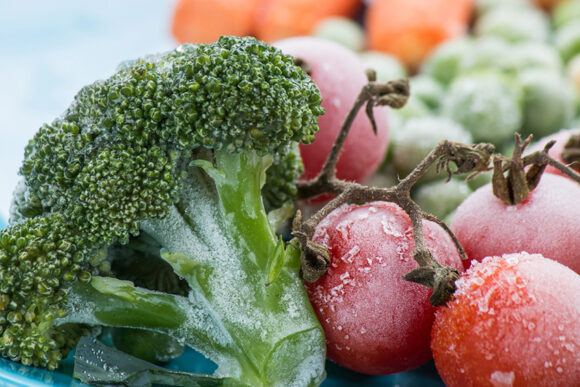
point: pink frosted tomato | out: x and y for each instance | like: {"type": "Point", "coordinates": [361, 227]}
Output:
{"type": "Point", "coordinates": [340, 76]}
{"type": "Point", "coordinates": [546, 222]}
{"type": "Point", "coordinates": [375, 322]}
{"type": "Point", "coordinates": [513, 321]}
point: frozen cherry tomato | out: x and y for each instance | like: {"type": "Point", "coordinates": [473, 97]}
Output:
{"type": "Point", "coordinates": [513, 321]}
{"type": "Point", "coordinates": [375, 322]}
{"type": "Point", "coordinates": [546, 222]}
{"type": "Point", "coordinates": [340, 75]}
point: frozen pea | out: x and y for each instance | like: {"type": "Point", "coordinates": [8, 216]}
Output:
{"type": "Point", "coordinates": [418, 137]}
{"type": "Point", "coordinates": [564, 12]}
{"type": "Point", "coordinates": [537, 55]}
{"type": "Point", "coordinates": [506, 148]}
{"type": "Point", "coordinates": [341, 30]}
{"type": "Point", "coordinates": [385, 177]}
{"type": "Point", "coordinates": [428, 90]}
{"type": "Point", "coordinates": [573, 71]}
{"type": "Point", "coordinates": [443, 64]}
{"type": "Point", "coordinates": [415, 107]}
{"type": "Point", "coordinates": [396, 122]}
{"type": "Point", "coordinates": [483, 6]}
{"type": "Point", "coordinates": [549, 102]}
{"type": "Point", "coordinates": [447, 219]}
{"type": "Point", "coordinates": [387, 67]}
{"type": "Point", "coordinates": [575, 122]}
{"type": "Point", "coordinates": [514, 24]}
{"type": "Point", "coordinates": [488, 52]}
{"type": "Point", "coordinates": [487, 104]}
{"type": "Point", "coordinates": [567, 40]}
{"type": "Point", "coordinates": [440, 198]}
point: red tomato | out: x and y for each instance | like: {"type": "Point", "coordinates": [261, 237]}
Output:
{"type": "Point", "coordinates": [561, 138]}
{"type": "Point", "coordinates": [340, 76]}
{"type": "Point", "coordinates": [375, 322]}
{"type": "Point", "coordinates": [513, 321]}
{"type": "Point", "coordinates": [545, 223]}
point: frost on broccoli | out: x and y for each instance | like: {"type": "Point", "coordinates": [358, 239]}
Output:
{"type": "Point", "coordinates": [167, 160]}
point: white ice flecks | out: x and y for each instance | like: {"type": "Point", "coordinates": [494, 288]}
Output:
{"type": "Point", "coordinates": [502, 378]}
{"type": "Point", "coordinates": [403, 250]}
{"type": "Point", "coordinates": [351, 254]}
{"type": "Point", "coordinates": [388, 228]}
{"type": "Point", "coordinates": [343, 228]}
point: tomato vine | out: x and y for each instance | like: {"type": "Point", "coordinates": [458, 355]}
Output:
{"type": "Point", "coordinates": [523, 174]}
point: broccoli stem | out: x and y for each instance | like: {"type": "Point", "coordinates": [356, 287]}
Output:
{"type": "Point", "coordinates": [239, 179]}
{"type": "Point", "coordinates": [247, 308]}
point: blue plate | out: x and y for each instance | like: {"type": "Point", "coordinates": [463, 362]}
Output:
{"type": "Point", "coordinates": [15, 374]}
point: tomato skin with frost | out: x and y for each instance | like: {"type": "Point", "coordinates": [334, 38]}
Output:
{"type": "Point", "coordinates": [340, 76]}
{"type": "Point", "coordinates": [546, 222]}
{"type": "Point", "coordinates": [513, 321]}
{"type": "Point", "coordinates": [375, 322]}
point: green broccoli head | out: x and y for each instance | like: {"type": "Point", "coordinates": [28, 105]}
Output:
{"type": "Point", "coordinates": [149, 147]}
{"type": "Point", "coordinates": [113, 158]}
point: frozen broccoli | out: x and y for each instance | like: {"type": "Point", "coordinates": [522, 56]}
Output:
{"type": "Point", "coordinates": [142, 207]}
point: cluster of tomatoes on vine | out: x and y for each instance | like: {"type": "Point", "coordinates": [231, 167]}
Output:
{"type": "Point", "coordinates": [492, 296]}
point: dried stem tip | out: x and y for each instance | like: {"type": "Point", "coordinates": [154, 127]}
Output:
{"type": "Point", "coordinates": [571, 152]}
{"type": "Point", "coordinates": [440, 279]}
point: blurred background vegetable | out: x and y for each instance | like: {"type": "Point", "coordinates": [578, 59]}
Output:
{"type": "Point", "coordinates": [410, 29]}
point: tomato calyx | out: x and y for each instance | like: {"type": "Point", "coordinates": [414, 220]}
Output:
{"type": "Point", "coordinates": [474, 160]}
{"type": "Point", "coordinates": [315, 258]}
{"type": "Point", "coordinates": [524, 173]}
{"type": "Point", "coordinates": [571, 152]}
{"type": "Point", "coordinates": [440, 279]}
{"type": "Point", "coordinates": [517, 185]}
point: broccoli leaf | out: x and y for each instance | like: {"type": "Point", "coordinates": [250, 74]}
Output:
{"type": "Point", "coordinates": [99, 364]}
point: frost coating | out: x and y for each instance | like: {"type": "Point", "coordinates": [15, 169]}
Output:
{"type": "Point", "coordinates": [502, 379]}
{"type": "Point", "coordinates": [513, 321]}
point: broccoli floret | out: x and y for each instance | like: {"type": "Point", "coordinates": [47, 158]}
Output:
{"type": "Point", "coordinates": [167, 160]}
{"type": "Point", "coordinates": [281, 177]}
{"type": "Point", "coordinates": [39, 257]}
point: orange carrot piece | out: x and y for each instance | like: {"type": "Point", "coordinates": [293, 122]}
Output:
{"type": "Point", "coordinates": [410, 29]}
{"type": "Point", "coordinates": [278, 19]}
{"type": "Point", "coordinates": [204, 21]}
